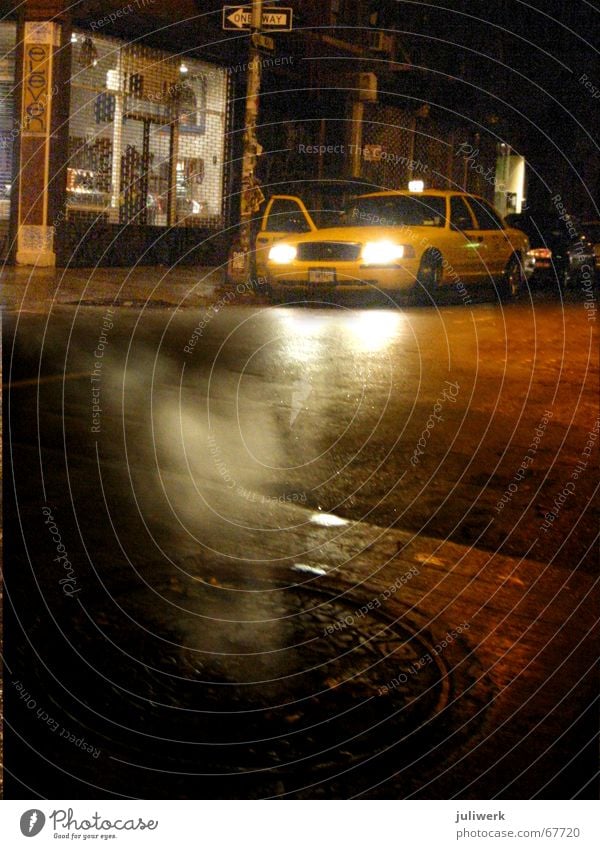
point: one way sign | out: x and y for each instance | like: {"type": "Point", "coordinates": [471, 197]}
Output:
{"type": "Point", "coordinates": [274, 18]}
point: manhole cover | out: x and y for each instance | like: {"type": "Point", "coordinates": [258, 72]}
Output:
{"type": "Point", "coordinates": [316, 673]}
{"type": "Point", "coordinates": [266, 677]}
{"type": "Point", "coordinates": [253, 686]}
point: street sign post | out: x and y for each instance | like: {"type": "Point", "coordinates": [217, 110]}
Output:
{"type": "Point", "coordinates": [253, 19]}
{"type": "Point", "coordinates": [274, 18]}
{"type": "Point", "coordinates": [262, 42]}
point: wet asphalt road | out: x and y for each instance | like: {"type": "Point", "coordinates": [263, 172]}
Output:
{"type": "Point", "coordinates": [307, 551]}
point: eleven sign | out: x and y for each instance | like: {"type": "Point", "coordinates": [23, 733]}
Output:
{"type": "Point", "coordinates": [274, 18]}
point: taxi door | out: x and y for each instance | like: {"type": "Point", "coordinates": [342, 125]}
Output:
{"type": "Point", "coordinates": [285, 215]}
{"type": "Point", "coordinates": [496, 248]}
{"type": "Point", "coordinates": [464, 249]}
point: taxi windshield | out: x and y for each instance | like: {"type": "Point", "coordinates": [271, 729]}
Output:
{"type": "Point", "coordinates": [325, 218]}
{"type": "Point", "coordinates": [420, 210]}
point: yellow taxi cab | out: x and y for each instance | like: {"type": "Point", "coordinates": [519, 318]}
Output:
{"type": "Point", "coordinates": [391, 241]}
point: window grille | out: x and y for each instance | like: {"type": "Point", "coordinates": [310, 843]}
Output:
{"type": "Point", "coordinates": [8, 127]}
{"type": "Point", "coordinates": [147, 136]}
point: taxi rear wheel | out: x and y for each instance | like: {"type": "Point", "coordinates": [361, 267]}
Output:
{"type": "Point", "coordinates": [430, 271]}
{"type": "Point", "coordinates": [513, 279]}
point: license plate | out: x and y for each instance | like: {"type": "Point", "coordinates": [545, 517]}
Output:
{"type": "Point", "coordinates": [321, 275]}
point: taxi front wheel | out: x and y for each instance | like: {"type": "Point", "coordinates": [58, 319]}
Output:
{"type": "Point", "coordinates": [429, 275]}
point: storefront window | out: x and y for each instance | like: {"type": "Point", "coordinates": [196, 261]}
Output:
{"type": "Point", "coordinates": [147, 136]}
{"type": "Point", "coordinates": [8, 130]}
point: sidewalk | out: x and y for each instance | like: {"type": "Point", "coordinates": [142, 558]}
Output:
{"type": "Point", "coordinates": [34, 290]}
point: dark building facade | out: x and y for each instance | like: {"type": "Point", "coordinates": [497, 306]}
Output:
{"type": "Point", "coordinates": [352, 106]}
{"type": "Point", "coordinates": [127, 146]}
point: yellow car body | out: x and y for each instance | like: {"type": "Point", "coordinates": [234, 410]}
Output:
{"type": "Point", "coordinates": [391, 241]}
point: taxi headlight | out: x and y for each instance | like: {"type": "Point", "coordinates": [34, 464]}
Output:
{"type": "Point", "coordinates": [282, 254]}
{"type": "Point", "coordinates": [385, 253]}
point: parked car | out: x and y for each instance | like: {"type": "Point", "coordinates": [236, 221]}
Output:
{"type": "Point", "coordinates": [592, 230]}
{"type": "Point", "coordinates": [561, 251]}
{"type": "Point", "coordinates": [393, 241]}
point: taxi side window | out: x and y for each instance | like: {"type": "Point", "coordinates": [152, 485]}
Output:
{"type": "Point", "coordinates": [486, 215]}
{"type": "Point", "coordinates": [460, 214]}
{"type": "Point", "coordinates": [285, 216]}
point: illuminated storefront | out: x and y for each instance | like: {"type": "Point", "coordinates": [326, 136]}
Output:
{"type": "Point", "coordinates": [118, 154]}
{"type": "Point", "coordinates": [8, 36]}
{"type": "Point", "coordinates": [147, 146]}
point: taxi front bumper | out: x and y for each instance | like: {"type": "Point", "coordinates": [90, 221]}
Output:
{"type": "Point", "coordinates": [345, 276]}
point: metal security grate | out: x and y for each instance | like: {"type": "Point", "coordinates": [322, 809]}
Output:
{"type": "Point", "coordinates": [8, 130]}
{"type": "Point", "coordinates": [388, 146]}
{"type": "Point", "coordinates": [399, 147]}
{"type": "Point", "coordinates": [147, 136]}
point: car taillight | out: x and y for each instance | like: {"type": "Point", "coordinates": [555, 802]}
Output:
{"type": "Point", "coordinates": [540, 253]}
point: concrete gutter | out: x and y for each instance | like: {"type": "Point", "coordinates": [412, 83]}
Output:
{"type": "Point", "coordinates": [36, 290]}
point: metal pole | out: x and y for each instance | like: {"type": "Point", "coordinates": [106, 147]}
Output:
{"type": "Point", "coordinates": [356, 135]}
{"type": "Point", "coordinates": [247, 196]}
{"type": "Point", "coordinates": [322, 137]}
